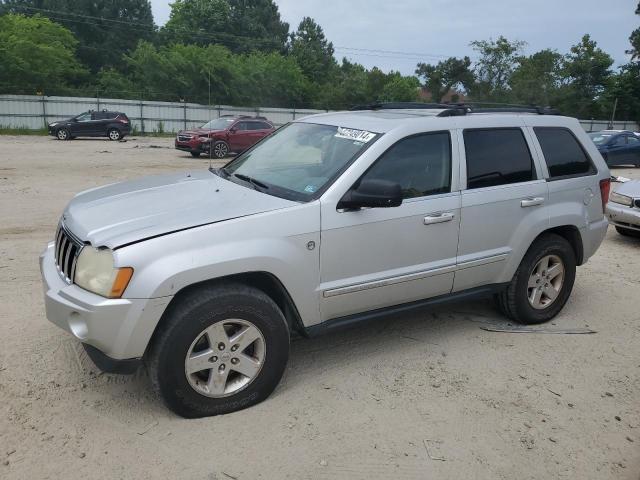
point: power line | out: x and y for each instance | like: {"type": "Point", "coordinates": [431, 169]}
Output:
{"type": "Point", "coordinates": [220, 36]}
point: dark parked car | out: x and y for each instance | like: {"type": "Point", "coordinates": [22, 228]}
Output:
{"type": "Point", "coordinates": [224, 135]}
{"type": "Point", "coordinates": [618, 147]}
{"type": "Point", "coordinates": [114, 125]}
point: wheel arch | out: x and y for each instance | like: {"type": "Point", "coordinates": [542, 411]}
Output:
{"type": "Point", "coordinates": [571, 234]}
{"type": "Point", "coordinates": [262, 280]}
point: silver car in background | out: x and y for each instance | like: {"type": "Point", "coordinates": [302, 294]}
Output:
{"type": "Point", "coordinates": [623, 208]}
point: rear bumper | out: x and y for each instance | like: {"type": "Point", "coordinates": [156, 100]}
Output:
{"type": "Point", "coordinates": [118, 329]}
{"type": "Point", "coordinates": [592, 237]}
{"type": "Point", "coordinates": [622, 216]}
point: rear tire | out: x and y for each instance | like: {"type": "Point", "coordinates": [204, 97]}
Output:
{"type": "Point", "coordinates": [627, 232]}
{"type": "Point", "coordinates": [195, 154]}
{"type": "Point", "coordinates": [534, 294]}
{"type": "Point", "coordinates": [114, 134]}
{"type": "Point", "coordinates": [201, 323]}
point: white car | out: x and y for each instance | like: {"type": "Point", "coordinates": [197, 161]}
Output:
{"type": "Point", "coordinates": [623, 208]}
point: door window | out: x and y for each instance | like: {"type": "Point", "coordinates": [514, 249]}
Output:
{"type": "Point", "coordinates": [563, 153]}
{"type": "Point", "coordinates": [420, 164]}
{"type": "Point", "coordinates": [497, 156]}
{"type": "Point", "coordinates": [619, 141]}
{"type": "Point", "coordinates": [84, 117]}
{"type": "Point", "coordinates": [633, 140]}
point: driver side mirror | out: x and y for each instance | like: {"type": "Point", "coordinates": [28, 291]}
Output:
{"type": "Point", "coordinates": [372, 194]}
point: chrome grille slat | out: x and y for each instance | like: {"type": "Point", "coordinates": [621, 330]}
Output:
{"type": "Point", "coordinates": [66, 251]}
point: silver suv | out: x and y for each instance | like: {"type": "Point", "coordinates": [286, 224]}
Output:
{"type": "Point", "coordinates": [332, 220]}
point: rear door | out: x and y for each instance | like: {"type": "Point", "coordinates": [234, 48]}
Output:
{"type": "Point", "coordinates": [502, 204]}
{"type": "Point", "coordinates": [633, 150]}
{"type": "Point", "coordinates": [617, 151]}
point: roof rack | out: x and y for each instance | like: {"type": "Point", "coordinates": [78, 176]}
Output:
{"type": "Point", "coordinates": [459, 109]}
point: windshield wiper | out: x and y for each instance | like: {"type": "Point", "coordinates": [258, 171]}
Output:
{"type": "Point", "coordinates": [252, 181]}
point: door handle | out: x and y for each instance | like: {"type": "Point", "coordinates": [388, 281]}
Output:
{"type": "Point", "coordinates": [531, 202]}
{"type": "Point", "coordinates": [438, 218]}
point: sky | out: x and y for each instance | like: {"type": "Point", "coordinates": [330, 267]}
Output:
{"type": "Point", "coordinates": [396, 35]}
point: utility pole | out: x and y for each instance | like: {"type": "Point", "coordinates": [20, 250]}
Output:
{"type": "Point", "coordinates": [613, 115]}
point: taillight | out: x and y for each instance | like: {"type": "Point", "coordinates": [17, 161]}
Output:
{"type": "Point", "coordinates": [123, 120]}
{"type": "Point", "coordinates": [605, 188]}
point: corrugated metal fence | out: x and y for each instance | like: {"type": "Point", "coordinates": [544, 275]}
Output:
{"type": "Point", "coordinates": [30, 111]}
{"type": "Point", "coordinates": [33, 112]}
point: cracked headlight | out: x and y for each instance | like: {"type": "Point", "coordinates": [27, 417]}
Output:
{"type": "Point", "coordinates": [95, 272]}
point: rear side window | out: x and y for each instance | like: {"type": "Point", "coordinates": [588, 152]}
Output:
{"type": "Point", "coordinates": [497, 156]}
{"type": "Point", "coordinates": [421, 164]}
{"type": "Point", "coordinates": [562, 152]}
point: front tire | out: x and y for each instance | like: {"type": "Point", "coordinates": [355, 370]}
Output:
{"type": "Point", "coordinates": [114, 134]}
{"type": "Point", "coordinates": [195, 154]}
{"type": "Point", "coordinates": [218, 350]}
{"type": "Point", "coordinates": [63, 134]}
{"type": "Point", "coordinates": [543, 282]}
{"type": "Point", "coordinates": [220, 149]}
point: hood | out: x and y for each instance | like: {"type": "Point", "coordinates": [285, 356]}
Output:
{"type": "Point", "coordinates": [123, 213]}
{"type": "Point", "coordinates": [64, 120]}
{"type": "Point", "coordinates": [198, 131]}
{"type": "Point", "coordinates": [630, 188]}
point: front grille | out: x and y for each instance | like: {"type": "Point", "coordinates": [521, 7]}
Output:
{"type": "Point", "coordinates": [184, 138]}
{"type": "Point", "coordinates": [67, 249]}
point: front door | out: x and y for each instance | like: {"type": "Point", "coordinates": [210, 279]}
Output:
{"type": "Point", "coordinates": [380, 257]}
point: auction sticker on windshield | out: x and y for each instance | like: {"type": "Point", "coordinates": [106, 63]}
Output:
{"type": "Point", "coordinates": [356, 135]}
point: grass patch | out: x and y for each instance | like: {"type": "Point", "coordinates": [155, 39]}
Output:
{"type": "Point", "coordinates": [22, 131]}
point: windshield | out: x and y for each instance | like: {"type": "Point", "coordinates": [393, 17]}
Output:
{"type": "Point", "coordinates": [600, 138]}
{"type": "Point", "coordinates": [218, 124]}
{"type": "Point", "coordinates": [300, 159]}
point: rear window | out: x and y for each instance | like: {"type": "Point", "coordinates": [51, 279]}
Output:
{"type": "Point", "coordinates": [562, 152]}
{"type": "Point", "coordinates": [497, 156]}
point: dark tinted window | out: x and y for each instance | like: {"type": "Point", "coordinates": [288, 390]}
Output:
{"type": "Point", "coordinates": [497, 156]}
{"type": "Point", "coordinates": [420, 164]}
{"type": "Point", "coordinates": [632, 140]}
{"type": "Point", "coordinates": [263, 126]}
{"type": "Point", "coordinates": [562, 152]}
{"type": "Point", "coordinates": [254, 126]}
{"type": "Point", "coordinates": [242, 126]}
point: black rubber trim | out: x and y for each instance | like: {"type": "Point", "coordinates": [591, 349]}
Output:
{"type": "Point", "coordinates": [111, 365]}
{"type": "Point", "coordinates": [350, 321]}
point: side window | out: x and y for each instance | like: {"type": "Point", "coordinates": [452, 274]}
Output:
{"type": "Point", "coordinates": [619, 141]}
{"type": "Point", "coordinates": [497, 156]}
{"type": "Point", "coordinates": [263, 126]}
{"type": "Point", "coordinates": [254, 126]}
{"type": "Point", "coordinates": [241, 126]}
{"type": "Point", "coordinates": [563, 153]}
{"type": "Point", "coordinates": [421, 164]}
{"type": "Point", "coordinates": [633, 140]}
{"type": "Point", "coordinates": [84, 117]}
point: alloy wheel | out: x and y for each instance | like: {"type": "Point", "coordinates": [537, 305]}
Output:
{"type": "Point", "coordinates": [225, 358]}
{"type": "Point", "coordinates": [545, 282]}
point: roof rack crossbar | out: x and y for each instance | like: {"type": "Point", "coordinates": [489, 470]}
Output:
{"type": "Point", "coordinates": [459, 109]}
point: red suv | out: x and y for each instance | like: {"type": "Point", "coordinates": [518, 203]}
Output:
{"type": "Point", "coordinates": [224, 135]}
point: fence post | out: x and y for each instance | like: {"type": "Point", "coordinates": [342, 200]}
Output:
{"type": "Point", "coordinates": [219, 111]}
{"type": "Point", "coordinates": [44, 112]}
{"type": "Point", "coordinates": [294, 113]}
{"type": "Point", "coordinates": [141, 115]}
{"type": "Point", "coordinates": [97, 101]}
{"type": "Point", "coordinates": [184, 109]}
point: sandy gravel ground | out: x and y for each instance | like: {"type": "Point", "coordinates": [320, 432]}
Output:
{"type": "Point", "coordinates": [428, 396]}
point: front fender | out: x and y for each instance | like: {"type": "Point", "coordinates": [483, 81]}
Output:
{"type": "Point", "coordinates": [275, 242]}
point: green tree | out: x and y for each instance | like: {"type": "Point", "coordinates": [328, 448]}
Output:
{"type": "Point", "coordinates": [37, 54]}
{"type": "Point", "coordinates": [260, 20]}
{"type": "Point", "coordinates": [441, 78]}
{"type": "Point", "coordinates": [625, 88]}
{"type": "Point", "coordinates": [312, 51]}
{"type": "Point", "coordinates": [494, 67]}
{"type": "Point", "coordinates": [199, 22]}
{"type": "Point", "coordinates": [586, 73]}
{"type": "Point", "coordinates": [537, 78]}
{"type": "Point", "coordinates": [105, 29]}
{"type": "Point", "coordinates": [400, 89]}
